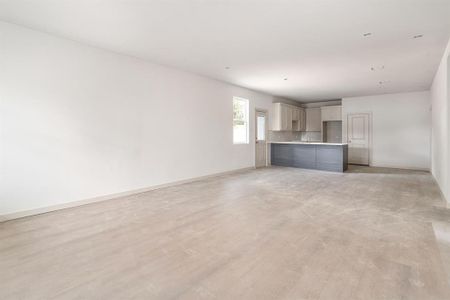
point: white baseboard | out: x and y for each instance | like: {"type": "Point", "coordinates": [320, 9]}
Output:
{"type": "Point", "coordinates": [447, 202]}
{"type": "Point", "coordinates": [376, 165]}
{"type": "Point", "coordinates": [43, 210]}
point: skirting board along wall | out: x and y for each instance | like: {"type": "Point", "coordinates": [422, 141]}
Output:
{"type": "Point", "coordinates": [43, 210]}
{"type": "Point", "coordinates": [394, 166]}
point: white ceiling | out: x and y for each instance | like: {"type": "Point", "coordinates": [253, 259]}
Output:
{"type": "Point", "coordinates": [318, 45]}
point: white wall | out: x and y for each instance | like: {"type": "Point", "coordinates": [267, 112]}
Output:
{"type": "Point", "coordinates": [401, 128]}
{"type": "Point", "coordinates": [79, 122]}
{"type": "Point", "coordinates": [440, 98]}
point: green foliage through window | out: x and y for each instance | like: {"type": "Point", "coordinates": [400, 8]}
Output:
{"type": "Point", "coordinates": [240, 121]}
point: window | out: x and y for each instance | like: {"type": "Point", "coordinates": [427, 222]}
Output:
{"type": "Point", "coordinates": [260, 127]}
{"type": "Point", "coordinates": [240, 121]}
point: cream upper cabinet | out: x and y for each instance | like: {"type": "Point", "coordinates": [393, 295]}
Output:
{"type": "Point", "coordinates": [331, 113]}
{"type": "Point", "coordinates": [302, 119]}
{"type": "Point", "coordinates": [293, 118]}
{"type": "Point", "coordinates": [313, 119]}
{"type": "Point", "coordinates": [285, 117]}
{"type": "Point", "coordinates": [295, 114]}
{"type": "Point", "coordinates": [298, 120]}
{"type": "Point", "coordinates": [282, 117]}
{"type": "Point", "coordinates": [276, 117]}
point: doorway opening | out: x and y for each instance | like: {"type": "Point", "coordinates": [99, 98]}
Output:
{"type": "Point", "coordinates": [359, 138]}
{"type": "Point", "coordinates": [260, 138]}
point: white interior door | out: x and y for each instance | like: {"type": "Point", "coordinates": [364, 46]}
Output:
{"type": "Point", "coordinates": [358, 138]}
{"type": "Point", "coordinates": [261, 136]}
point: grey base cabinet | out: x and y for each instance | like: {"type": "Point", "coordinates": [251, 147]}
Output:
{"type": "Point", "coordinates": [310, 156]}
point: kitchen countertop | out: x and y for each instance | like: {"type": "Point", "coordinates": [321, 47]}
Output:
{"type": "Point", "coordinates": [310, 143]}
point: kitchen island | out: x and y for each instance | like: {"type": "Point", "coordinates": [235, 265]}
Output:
{"type": "Point", "coordinates": [310, 155]}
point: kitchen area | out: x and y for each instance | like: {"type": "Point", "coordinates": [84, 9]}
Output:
{"type": "Point", "coordinates": [308, 136]}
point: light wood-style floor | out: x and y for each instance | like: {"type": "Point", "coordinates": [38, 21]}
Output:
{"type": "Point", "coordinates": [273, 233]}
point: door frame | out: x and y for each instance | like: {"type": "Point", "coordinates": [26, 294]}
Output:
{"type": "Point", "coordinates": [266, 112]}
{"type": "Point", "coordinates": [369, 113]}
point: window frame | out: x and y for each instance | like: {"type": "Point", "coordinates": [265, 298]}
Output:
{"type": "Point", "coordinates": [246, 120]}
{"type": "Point", "coordinates": [257, 112]}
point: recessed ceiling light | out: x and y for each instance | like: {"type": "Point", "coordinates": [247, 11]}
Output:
{"type": "Point", "coordinates": [383, 82]}
{"type": "Point", "coordinates": [417, 36]}
{"type": "Point", "coordinates": [377, 68]}
{"type": "Point", "coordinates": [227, 68]}
{"type": "Point", "coordinates": [285, 79]}
{"type": "Point", "coordinates": [367, 34]}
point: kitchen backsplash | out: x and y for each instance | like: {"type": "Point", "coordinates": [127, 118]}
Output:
{"type": "Point", "coordinates": [286, 136]}
{"type": "Point", "coordinates": [311, 136]}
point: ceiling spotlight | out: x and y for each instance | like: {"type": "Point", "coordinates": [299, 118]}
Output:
{"type": "Point", "coordinates": [377, 68]}
{"type": "Point", "coordinates": [383, 82]}
{"type": "Point", "coordinates": [367, 34]}
{"type": "Point", "coordinates": [418, 36]}
{"type": "Point", "coordinates": [227, 68]}
{"type": "Point", "coordinates": [285, 78]}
